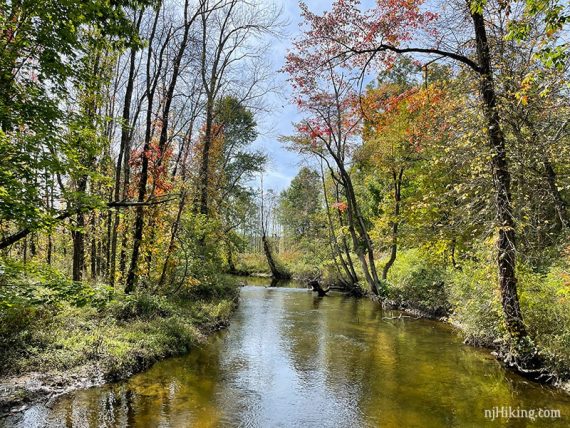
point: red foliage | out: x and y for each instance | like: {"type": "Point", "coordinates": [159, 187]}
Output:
{"type": "Point", "coordinates": [334, 36]}
{"type": "Point", "coordinates": [158, 163]}
{"type": "Point", "coordinates": [340, 205]}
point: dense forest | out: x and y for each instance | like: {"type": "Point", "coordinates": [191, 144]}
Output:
{"type": "Point", "coordinates": [436, 172]}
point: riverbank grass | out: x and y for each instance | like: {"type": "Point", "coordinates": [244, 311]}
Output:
{"type": "Point", "coordinates": [60, 335]}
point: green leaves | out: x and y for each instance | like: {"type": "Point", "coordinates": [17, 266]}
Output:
{"type": "Point", "coordinates": [554, 17]}
{"type": "Point", "coordinates": [300, 204]}
{"type": "Point", "coordinates": [50, 50]}
{"type": "Point", "coordinates": [477, 6]}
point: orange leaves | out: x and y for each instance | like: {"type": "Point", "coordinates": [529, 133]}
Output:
{"type": "Point", "coordinates": [340, 205]}
{"type": "Point", "coordinates": [402, 117]}
{"type": "Point", "coordinates": [158, 163]}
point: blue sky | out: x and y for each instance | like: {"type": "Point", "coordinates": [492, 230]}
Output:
{"type": "Point", "coordinates": [283, 164]}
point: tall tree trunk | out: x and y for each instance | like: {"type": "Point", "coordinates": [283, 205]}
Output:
{"type": "Point", "coordinates": [335, 247]}
{"type": "Point", "coordinates": [506, 243]}
{"type": "Point", "coordinates": [49, 249]}
{"type": "Point", "coordinates": [171, 244]}
{"type": "Point", "coordinates": [230, 255]}
{"type": "Point", "coordinates": [78, 237]}
{"type": "Point", "coordinates": [33, 247]}
{"type": "Point", "coordinates": [204, 177]}
{"type": "Point", "coordinates": [25, 250]}
{"type": "Point", "coordinates": [344, 242]}
{"type": "Point", "coordinates": [559, 202]}
{"type": "Point", "coordinates": [275, 271]}
{"type": "Point", "coordinates": [397, 183]}
{"type": "Point", "coordinates": [78, 249]}
{"type": "Point", "coordinates": [49, 205]}
{"type": "Point", "coordinates": [362, 242]}
{"type": "Point", "coordinates": [152, 82]}
{"type": "Point", "coordinates": [124, 150]}
{"type": "Point", "coordinates": [90, 111]}
{"type": "Point", "coordinates": [93, 254]}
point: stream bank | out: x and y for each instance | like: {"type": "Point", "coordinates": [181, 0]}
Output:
{"type": "Point", "coordinates": [85, 346]}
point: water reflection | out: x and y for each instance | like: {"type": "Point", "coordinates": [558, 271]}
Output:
{"type": "Point", "coordinates": [291, 359]}
{"type": "Point", "coordinates": [269, 282]}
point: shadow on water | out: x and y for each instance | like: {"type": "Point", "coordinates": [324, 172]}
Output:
{"type": "Point", "coordinates": [291, 359]}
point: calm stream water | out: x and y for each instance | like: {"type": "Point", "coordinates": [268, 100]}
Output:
{"type": "Point", "coordinates": [291, 359]}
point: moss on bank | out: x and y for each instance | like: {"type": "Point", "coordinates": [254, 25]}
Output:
{"type": "Point", "coordinates": [54, 345]}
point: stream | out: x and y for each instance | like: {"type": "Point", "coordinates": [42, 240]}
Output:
{"type": "Point", "coordinates": [291, 359]}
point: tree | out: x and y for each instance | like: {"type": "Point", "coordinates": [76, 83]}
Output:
{"type": "Point", "coordinates": [268, 202]}
{"type": "Point", "coordinates": [398, 116]}
{"type": "Point", "coordinates": [329, 132]}
{"type": "Point", "coordinates": [227, 28]}
{"type": "Point", "coordinates": [40, 45]}
{"type": "Point", "coordinates": [300, 205]}
{"type": "Point", "coordinates": [345, 36]}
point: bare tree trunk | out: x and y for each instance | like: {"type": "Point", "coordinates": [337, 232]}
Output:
{"type": "Point", "coordinates": [344, 241]}
{"type": "Point", "coordinates": [93, 254]}
{"type": "Point", "coordinates": [205, 166]}
{"type": "Point", "coordinates": [335, 247]}
{"type": "Point", "coordinates": [78, 237]}
{"type": "Point", "coordinates": [275, 271]}
{"type": "Point", "coordinates": [50, 205]}
{"type": "Point", "coordinates": [152, 82]}
{"type": "Point", "coordinates": [171, 245]}
{"type": "Point", "coordinates": [397, 183]}
{"type": "Point", "coordinates": [362, 242]}
{"type": "Point", "coordinates": [125, 147]}
{"type": "Point", "coordinates": [559, 202]}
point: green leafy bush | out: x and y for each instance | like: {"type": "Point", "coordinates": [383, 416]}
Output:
{"type": "Point", "coordinates": [143, 306]}
{"type": "Point", "coordinates": [474, 296]}
{"type": "Point", "coordinates": [545, 303]}
{"type": "Point", "coordinates": [417, 283]}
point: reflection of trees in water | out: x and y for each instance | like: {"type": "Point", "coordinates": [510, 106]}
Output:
{"type": "Point", "coordinates": [172, 392]}
{"type": "Point", "coordinates": [317, 300]}
{"type": "Point", "coordinates": [336, 359]}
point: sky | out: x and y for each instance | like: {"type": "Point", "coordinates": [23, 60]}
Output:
{"type": "Point", "coordinates": [283, 164]}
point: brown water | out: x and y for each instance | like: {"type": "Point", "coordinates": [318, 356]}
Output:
{"type": "Point", "coordinates": [290, 359]}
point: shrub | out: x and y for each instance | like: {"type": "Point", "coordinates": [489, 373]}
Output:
{"type": "Point", "coordinates": [142, 306]}
{"type": "Point", "coordinates": [474, 296]}
{"type": "Point", "coordinates": [545, 302]}
{"type": "Point", "coordinates": [416, 282]}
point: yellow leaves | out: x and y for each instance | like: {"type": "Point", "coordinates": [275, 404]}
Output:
{"type": "Point", "coordinates": [526, 86]}
{"type": "Point", "coordinates": [566, 280]}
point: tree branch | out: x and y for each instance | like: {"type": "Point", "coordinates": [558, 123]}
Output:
{"type": "Point", "coordinates": [9, 240]}
{"type": "Point", "coordinates": [383, 47]}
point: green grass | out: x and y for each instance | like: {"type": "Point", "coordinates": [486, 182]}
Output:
{"type": "Point", "coordinates": [119, 336]}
